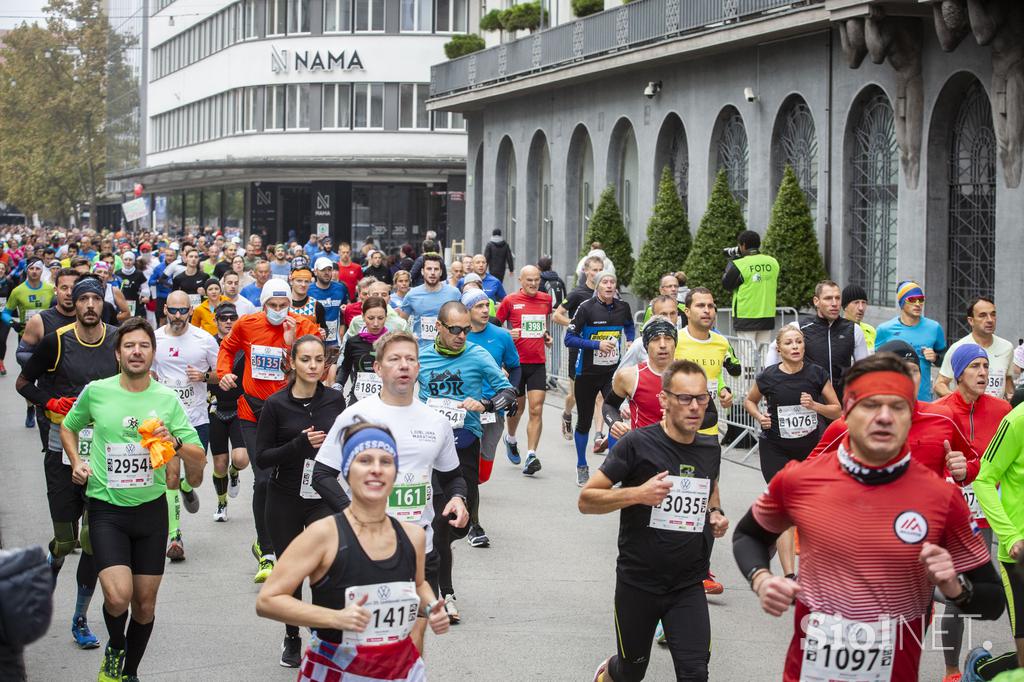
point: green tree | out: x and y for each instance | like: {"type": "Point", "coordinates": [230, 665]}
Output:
{"type": "Point", "coordinates": [668, 239]}
{"type": "Point", "coordinates": [524, 16]}
{"type": "Point", "coordinates": [582, 8]}
{"type": "Point", "coordinates": [721, 224]}
{"type": "Point", "coordinates": [491, 21]}
{"type": "Point", "coordinates": [606, 227]}
{"type": "Point", "coordinates": [792, 240]}
{"type": "Point", "coordinates": [462, 44]}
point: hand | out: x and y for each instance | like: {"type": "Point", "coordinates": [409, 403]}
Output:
{"type": "Point", "coordinates": [289, 329]}
{"type": "Point", "coordinates": [162, 433]}
{"type": "Point", "coordinates": [956, 463]}
{"type": "Point", "coordinates": [548, 339]}
{"type": "Point", "coordinates": [458, 507]}
{"type": "Point", "coordinates": [765, 420]}
{"type": "Point", "coordinates": [618, 430]}
{"type": "Point", "coordinates": [939, 568]}
{"type": "Point", "coordinates": [80, 474]}
{"type": "Point", "coordinates": [776, 594]}
{"type": "Point", "coordinates": [515, 333]}
{"type": "Point", "coordinates": [1017, 549]}
{"type": "Point", "coordinates": [353, 617]}
{"type": "Point", "coordinates": [473, 405]}
{"type": "Point", "coordinates": [438, 618]}
{"type": "Point", "coordinates": [654, 490]}
{"type": "Point", "coordinates": [725, 395]}
{"type": "Point", "coordinates": [228, 382]}
{"type": "Point", "coordinates": [608, 346]}
{"type": "Point", "coordinates": [805, 401]}
{"type": "Point", "coordinates": [60, 405]}
{"type": "Point", "coordinates": [316, 438]}
{"type": "Point", "coordinates": [194, 374]}
{"type": "Point", "coordinates": [928, 354]}
{"type": "Point", "coordinates": [719, 524]}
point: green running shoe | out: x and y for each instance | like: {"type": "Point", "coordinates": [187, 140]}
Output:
{"type": "Point", "coordinates": [110, 670]}
{"type": "Point", "coordinates": [266, 568]}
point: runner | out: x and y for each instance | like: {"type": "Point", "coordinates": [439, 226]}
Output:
{"type": "Point", "coordinates": [402, 283]}
{"type": "Point", "coordinates": [796, 393]}
{"type": "Point", "coordinates": [597, 330]}
{"type": "Point", "coordinates": [229, 294]}
{"type": "Point", "coordinates": [924, 334]}
{"type": "Point", "coordinates": [700, 343]}
{"type": "Point", "coordinates": [527, 313]}
{"type": "Point", "coordinates": [332, 295]}
{"type": "Point", "coordinates": [27, 300]}
{"type": "Point", "coordinates": [422, 303]}
{"type": "Point", "coordinates": [670, 515]}
{"type": "Point", "coordinates": [7, 285]}
{"type": "Point", "coordinates": [667, 286]}
{"type": "Point", "coordinates": [563, 315]}
{"type": "Point", "coordinates": [133, 284]}
{"type": "Point", "coordinates": [357, 358]}
{"type": "Point", "coordinates": [264, 339]}
{"type": "Point", "coordinates": [395, 322]}
{"type": "Point", "coordinates": [301, 302]}
{"type": "Point", "coordinates": [204, 315]}
{"type": "Point", "coordinates": [191, 279]}
{"type": "Point", "coordinates": [293, 424]}
{"type": "Point", "coordinates": [354, 309]}
{"type": "Point", "coordinates": [424, 438]}
{"type": "Point", "coordinates": [61, 366]}
{"type": "Point", "coordinates": [491, 285]}
{"type": "Point", "coordinates": [641, 384]}
{"type": "Point", "coordinates": [366, 552]}
{"type": "Point", "coordinates": [348, 272]}
{"type": "Point", "coordinates": [225, 429]}
{"type": "Point", "coordinates": [125, 494]}
{"type": "Point", "coordinates": [981, 316]}
{"type": "Point", "coordinates": [185, 360]}
{"type": "Point", "coordinates": [854, 302]}
{"type": "Point", "coordinates": [254, 291]}
{"type": "Point", "coordinates": [664, 306]}
{"type": "Point", "coordinates": [863, 614]}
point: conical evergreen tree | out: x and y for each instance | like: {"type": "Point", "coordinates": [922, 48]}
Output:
{"type": "Point", "coordinates": [792, 240]}
{"type": "Point", "coordinates": [606, 227]}
{"type": "Point", "coordinates": [668, 239]}
{"type": "Point", "coordinates": [721, 224]}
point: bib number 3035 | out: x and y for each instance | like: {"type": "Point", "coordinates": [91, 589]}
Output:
{"type": "Point", "coordinates": [685, 507]}
{"type": "Point", "coordinates": [837, 649]}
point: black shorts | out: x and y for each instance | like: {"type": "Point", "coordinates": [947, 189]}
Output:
{"type": "Point", "coordinates": [775, 455]}
{"type": "Point", "coordinates": [534, 378]}
{"type": "Point", "coordinates": [129, 536]}
{"type": "Point", "coordinates": [223, 431]}
{"type": "Point", "coordinates": [66, 498]}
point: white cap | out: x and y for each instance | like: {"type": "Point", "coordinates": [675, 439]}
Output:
{"type": "Point", "coordinates": [174, 246]}
{"type": "Point", "coordinates": [322, 263]}
{"type": "Point", "coordinates": [275, 288]}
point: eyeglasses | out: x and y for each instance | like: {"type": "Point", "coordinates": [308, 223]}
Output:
{"type": "Point", "coordinates": [685, 399]}
{"type": "Point", "coordinates": [227, 318]}
{"type": "Point", "coordinates": [177, 311]}
{"type": "Point", "coordinates": [456, 329]}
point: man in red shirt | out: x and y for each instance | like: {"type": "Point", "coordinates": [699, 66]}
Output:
{"type": "Point", "coordinates": [349, 273]}
{"type": "Point", "coordinates": [878, 532]}
{"type": "Point", "coordinates": [527, 313]}
{"type": "Point", "coordinates": [265, 338]}
{"type": "Point", "coordinates": [354, 310]}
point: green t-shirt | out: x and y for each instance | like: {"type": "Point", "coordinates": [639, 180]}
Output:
{"type": "Point", "coordinates": [115, 413]}
{"type": "Point", "coordinates": [27, 301]}
{"type": "Point", "coordinates": [1003, 465]}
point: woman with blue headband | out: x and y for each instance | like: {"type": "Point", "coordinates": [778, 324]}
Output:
{"type": "Point", "coordinates": [366, 572]}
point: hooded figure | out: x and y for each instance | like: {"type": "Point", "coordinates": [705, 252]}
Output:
{"type": "Point", "coordinates": [499, 255]}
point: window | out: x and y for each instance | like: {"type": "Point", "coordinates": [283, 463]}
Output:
{"type": "Point", "coordinates": [416, 15]}
{"type": "Point", "coordinates": [273, 115]}
{"type": "Point", "coordinates": [452, 16]}
{"type": "Point", "coordinates": [733, 154]}
{"type": "Point", "coordinates": [337, 16]}
{"type": "Point", "coordinates": [369, 105]}
{"type": "Point", "coordinates": [249, 19]}
{"type": "Point", "coordinates": [297, 107]}
{"type": "Point", "coordinates": [412, 105]}
{"type": "Point", "coordinates": [277, 17]}
{"type": "Point", "coordinates": [369, 15]}
{"type": "Point", "coordinates": [446, 121]}
{"type": "Point", "coordinates": [298, 16]}
{"type": "Point", "coordinates": [337, 106]}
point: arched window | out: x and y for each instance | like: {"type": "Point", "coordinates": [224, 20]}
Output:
{"type": "Point", "coordinates": [579, 190]}
{"type": "Point", "coordinates": [505, 191]}
{"type": "Point", "coordinates": [673, 151]}
{"type": "Point", "coordinates": [733, 153]}
{"type": "Point", "coordinates": [538, 198]}
{"type": "Point", "coordinates": [873, 193]}
{"type": "Point", "coordinates": [796, 145]}
{"type": "Point", "coordinates": [623, 171]}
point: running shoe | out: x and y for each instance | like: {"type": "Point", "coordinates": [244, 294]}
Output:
{"type": "Point", "coordinates": [582, 476]}
{"type": "Point", "coordinates": [532, 465]}
{"type": "Point", "coordinates": [451, 609]}
{"type": "Point", "coordinates": [955, 677]}
{"type": "Point", "coordinates": [976, 656]}
{"type": "Point", "coordinates": [512, 451]}
{"type": "Point", "coordinates": [129, 678]}
{"type": "Point", "coordinates": [190, 501]}
{"type": "Point", "coordinates": [233, 486]}
{"type": "Point", "coordinates": [110, 669]}
{"type": "Point", "coordinates": [221, 515]}
{"type": "Point", "coordinates": [30, 418]}
{"type": "Point", "coordinates": [3, 369]}
{"type": "Point", "coordinates": [477, 537]}
{"type": "Point", "coordinates": [567, 425]}
{"type": "Point", "coordinates": [83, 635]}
{"type": "Point", "coordinates": [659, 635]}
{"type": "Point", "coordinates": [601, 670]}
{"type": "Point", "coordinates": [600, 443]}
{"type": "Point", "coordinates": [291, 652]}
{"type": "Point", "coordinates": [266, 568]}
{"type": "Point", "coordinates": [712, 586]}
{"type": "Point", "coordinates": [176, 549]}
{"type": "Point", "coordinates": [256, 550]}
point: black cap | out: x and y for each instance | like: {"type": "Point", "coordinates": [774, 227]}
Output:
{"type": "Point", "coordinates": [903, 349]}
{"type": "Point", "coordinates": [225, 308]}
{"type": "Point", "coordinates": [496, 232]}
{"type": "Point", "coordinates": [853, 292]}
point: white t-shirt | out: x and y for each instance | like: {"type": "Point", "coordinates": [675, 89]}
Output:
{"type": "Point", "coordinates": [424, 438]}
{"type": "Point", "coordinates": [243, 305]}
{"type": "Point", "coordinates": [1000, 355]}
{"type": "Point", "coordinates": [195, 348]}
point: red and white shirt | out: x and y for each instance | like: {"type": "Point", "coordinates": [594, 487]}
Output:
{"type": "Point", "coordinates": [644, 406]}
{"type": "Point", "coordinates": [529, 314]}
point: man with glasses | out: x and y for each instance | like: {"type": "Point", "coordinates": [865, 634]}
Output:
{"type": "Point", "coordinates": [924, 334]}
{"type": "Point", "coordinates": [668, 286]}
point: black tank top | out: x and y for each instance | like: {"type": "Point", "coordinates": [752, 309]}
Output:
{"type": "Point", "coordinates": [353, 567]}
{"type": "Point", "coordinates": [53, 319]}
{"type": "Point", "coordinates": [79, 363]}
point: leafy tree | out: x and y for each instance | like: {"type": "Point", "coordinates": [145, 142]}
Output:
{"type": "Point", "coordinates": [606, 227]}
{"type": "Point", "coordinates": [721, 224]}
{"type": "Point", "coordinates": [582, 8]}
{"type": "Point", "coordinates": [462, 44]}
{"type": "Point", "coordinates": [491, 21]}
{"type": "Point", "coordinates": [668, 239]}
{"type": "Point", "coordinates": [524, 16]}
{"type": "Point", "coordinates": [792, 240]}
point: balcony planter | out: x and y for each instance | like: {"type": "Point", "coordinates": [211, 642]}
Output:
{"type": "Point", "coordinates": [461, 45]}
{"type": "Point", "coordinates": [582, 8]}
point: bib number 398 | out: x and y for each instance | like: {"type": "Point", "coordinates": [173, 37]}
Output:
{"type": "Point", "coordinates": [837, 649]}
{"type": "Point", "coordinates": [685, 507]}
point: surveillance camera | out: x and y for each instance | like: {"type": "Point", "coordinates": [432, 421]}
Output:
{"type": "Point", "coordinates": [652, 89]}
{"type": "Point", "coordinates": [749, 94]}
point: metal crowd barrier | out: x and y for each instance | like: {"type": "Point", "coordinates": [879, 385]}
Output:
{"type": "Point", "coordinates": [741, 438]}
{"type": "Point", "coordinates": [558, 359]}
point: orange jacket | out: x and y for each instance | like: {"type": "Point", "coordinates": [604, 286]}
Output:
{"type": "Point", "coordinates": [255, 330]}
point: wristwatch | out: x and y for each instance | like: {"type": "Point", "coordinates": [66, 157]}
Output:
{"type": "Point", "coordinates": [966, 593]}
{"type": "Point", "coordinates": [716, 509]}
{"type": "Point", "coordinates": [177, 444]}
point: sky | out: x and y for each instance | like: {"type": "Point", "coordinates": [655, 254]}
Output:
{"type": "Point", "coordinates": [14, 12]}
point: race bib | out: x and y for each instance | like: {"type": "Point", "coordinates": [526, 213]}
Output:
{"type": "Point", "coordinates": [488, 417]}
{"type": "Point", "coordinates": [187, 393]}
{"type": "Point", "coordinates": [410, 496]}
{"type": "Point", "coordinates": [836, 649]}
{"type": "Point", "coordinates": [3, 303]}
{"type": "Point", "coordinates": [610, 358]}
{"type": "Point", "coordinates": [332, 330]}
{"type": "Point", "coordinates": [267, 362]}
{"type": "Point", "coordinates": [306, 491]}
{"type": "Point", "coordinates": [84, 442]}
{"type": "Point", "coordinates": [970, 498]}
{"type": "Point", "coordinates": [392, 608]}
{"type": "Point", "coordinates": [685, 507]}
{"type": "Point", "coordinates": [428, 328]}
{"type": "Point", "coordinates": [195, 300]}
{"type": "Point", "coordinates": [713, 388]}
{"type": "Point", "coordinates": [996, 386]}
{"type": "Point", "coordinates": [796, 421]}
{"type": "Point", "coordinates": [32, 312]}
{"type": "Point", "coordinates": [533, 327]}
{"type": "Point", "coordinates": [131, 307]}
{"type": "Point", "coordinates": [128, 466]}
{"type": "Point", "coordinates": [367, 384]}
{"type": "Point", "coordinates": [450, 409]}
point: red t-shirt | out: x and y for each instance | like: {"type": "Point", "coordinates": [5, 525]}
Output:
{"type": "Point", "coordinates": [860, 546]}
{"type": "Point", "coordinates": [644, 406]}
{"type": "Point", "coordinates": [537, 308]}
{"type": "Point", "coordinates": [349, 275]}
{"type": "Point", "coordinates": [351, 311]}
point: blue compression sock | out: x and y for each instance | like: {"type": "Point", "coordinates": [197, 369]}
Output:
{"type": "Point", "coordinates": [581, 447]}
{"type": "Point", "coordinates": [611, 441]}
{"type": "Point", "coordinates": [82, 603]}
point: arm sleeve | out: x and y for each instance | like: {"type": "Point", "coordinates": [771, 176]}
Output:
{"type": "Point", "coordinates": [452, 483]}
{"type": "Point", "coordinates": [629, 327]}
{"type": "Point", "coordinates": [321, 318]}
{"type": "Point", "coordinates": [610, 410]}
{"type": "Point", "coordinates": [731, 278]}
{"type": "Point", "coordinates": [228, 348]}
{"type": "Point", "coordinates": [572, 332]}
{"type": "Point", "coordinates": [325, 482]}
{"type": "Point", "coordinates": [751, 545]}
{"type": "Point", "coordinates": [44, 357]}
{"type": "Point", "coordinates": [860, 344]}
{"type": "Point", "coordinates": [345, 370]}
{"type": "Point", "coordinates": [1003, 451]}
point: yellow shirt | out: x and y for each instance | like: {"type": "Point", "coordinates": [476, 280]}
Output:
{"type": "Point", "coordinates": [710, 354]}
{"type": "Point", "coordinates": [204, 318]}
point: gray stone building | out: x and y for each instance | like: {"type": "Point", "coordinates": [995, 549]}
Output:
{"type": "Point", "coordinates": [903, 120]}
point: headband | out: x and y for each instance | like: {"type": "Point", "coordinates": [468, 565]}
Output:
{"type": "Point", "coordinates": [366, 439]}
{"type": "Point", "coordinates": [965, 355]}
{"type": "Point", "coordinates": [302, 271]}
{"type": "Point", "coordinates": [472, 297]}
{"type": "Point", "coordinates": [878, 383]}
{"type": "Point", "coordinates": [656, 327]}
{"type": "Point", "coordinates": [87, 285]}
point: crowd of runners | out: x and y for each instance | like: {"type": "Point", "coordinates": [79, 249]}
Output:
{"type": "Point", "coordinates": [369, 395]}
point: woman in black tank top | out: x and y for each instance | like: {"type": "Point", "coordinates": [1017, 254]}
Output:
{"type": "Point", "coordinates": [371, 601]}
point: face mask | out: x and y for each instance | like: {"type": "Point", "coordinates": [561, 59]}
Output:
{"type": "Point", "coordinates": [128, 270]}
{"type": "Point", "coordinates": [276, 317]}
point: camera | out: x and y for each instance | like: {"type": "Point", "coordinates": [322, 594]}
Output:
{"type": "Point", "coordinates": [732, 253]}
{"type": "Point", "coordinates": [748, 94]}
{"type": "Point", "coordinates": [652, 89]}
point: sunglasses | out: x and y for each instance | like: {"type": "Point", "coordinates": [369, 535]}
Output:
{"type": "Point", "coordinates": [177, 311]}
{"type": "Point", "coordinates": [456, 329]}
{"type": "Point", "coordinates": [226, 318]}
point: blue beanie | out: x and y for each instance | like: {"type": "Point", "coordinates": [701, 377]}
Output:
{"type": "Point", "coordinates": [908, 289]}
{"type": "Point", "coordinates": [366, 439]}
{"type": "Point", "coordinates": [472, 296]}
{"type": "Point", "coordinates": [964, 355]}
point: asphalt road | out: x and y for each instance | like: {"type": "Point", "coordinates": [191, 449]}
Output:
{"type": "Point", "coordinates": [535, 605]}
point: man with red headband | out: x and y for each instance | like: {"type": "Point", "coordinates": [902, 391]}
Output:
{"type": "Point", "coordinates": [863, 598]}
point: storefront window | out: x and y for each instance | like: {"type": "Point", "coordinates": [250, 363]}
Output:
{"type": "Point", "coordinates": [396, 214]}
{"type": "Point", "coordinates": [211, 208]}
{"type": "Point", "coordinates": [234, 211]}
{"type": "Point", "coordinates": [192, 211]}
